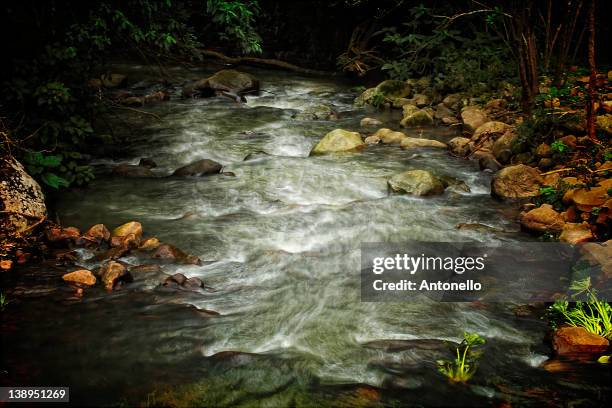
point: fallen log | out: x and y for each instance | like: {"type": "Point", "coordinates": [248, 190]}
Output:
{"type": "Point", "coordinates": [263, 62]}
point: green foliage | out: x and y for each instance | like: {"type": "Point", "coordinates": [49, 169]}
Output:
{"type": "Point", "coordinates": [3, 302]}
{"type": "Point", "coordinates": [553, 196]}
{"type": "Point", "coordinates": [540, 126]}
{"type": "Point", "coordinates": [459, 59]}
{"type": "Point", "coordinates": [47, 106]}
{"type": "Point", "coordinates": [464, 366]}
{"type": "Point", "coordinates": [378, 100]}
{"type": "Point", "coordinates": [558, 147]}
{"type": "Point", "coordinates": [594, 314]}
{"type": "Point", "coordinates": [236, 19]}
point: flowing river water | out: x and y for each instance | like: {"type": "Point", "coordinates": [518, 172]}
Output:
{"type": "Point", "coordinates": [280, 242]}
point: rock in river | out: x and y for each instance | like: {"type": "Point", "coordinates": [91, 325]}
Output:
{"type": "Point", "coordinates": [81, 277]}
{"type": "Point", "coordinates": [417, 182]}
{"type": "Point", "coordinates": [543, 219]}
{"type": "Point", "coordinates": [338, 140]}
{"type": "Point", "coordinates": [112, 273]}
{"type": "Point", "coordinates": [227, 80]}
{"type": "Point", "coordinates": [576, 341]}
{"type": "Point", "coordinates": [21, 199]}
{"type": "Point", "coordinates": [200, 168]}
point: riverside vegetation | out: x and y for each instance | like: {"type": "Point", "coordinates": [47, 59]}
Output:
{"type": "Point", "coordinates": [546, 144]}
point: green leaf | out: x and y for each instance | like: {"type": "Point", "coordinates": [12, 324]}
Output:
{"type": "Point", "coordinates": [604, 360]}
{"type": "Point", "coordinates": [55, 181]}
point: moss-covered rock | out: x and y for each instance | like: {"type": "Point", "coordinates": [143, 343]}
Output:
{"type": "Point", "coordinates": [338, 140]}
{"type": "Point", "coordinates": [420, 117]}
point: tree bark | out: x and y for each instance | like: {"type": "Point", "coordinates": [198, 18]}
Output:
{"type": "Point", "coordinates": [590, 108]}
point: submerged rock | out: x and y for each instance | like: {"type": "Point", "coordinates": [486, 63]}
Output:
{"type": "Point", "coordinates": [21, 199]}
{"type": "Point", "coordinates": [178, 279]}
{"type": "Point", "coordinates": [317, 112]}
{"type": "Point", "coordinates": [199, 168]}
{"type": "Point", "coordinates": [516, 182]}
{"type": "Point", "coordinates": [338, 140]}
{"type": "Point", "coordinates": [416, 182]}
{"type": "Point", "coordinates": [171, 253]}
{"type": "Point", "coordinates": [131, 170]}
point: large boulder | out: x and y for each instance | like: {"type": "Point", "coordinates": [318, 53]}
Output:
{"type": "Point", "coordinates": [391, 90]}
{"type": "Point", "coordinates": [22, 203]}
{"type": "Point", "coordinates": [416, 182]}
{"type": "Point", "coordinates": [473, 117]}
{"type": "Point", "coordinates": [394, 89]}
{"type": "Point", "coordinates": [227, 80]}
{"type": "Point", "coordinates": [415, 142]}
{"type": "Point", "coordinates": [516, 182]}
{"type": "Point", "coordinates": [338, 140]}
{"type": "Point", "coordinates": [199, 168]}
{"type": "Point", "coordinates": [452, 101]}
{"type": "Point", "coordinates": [543, 219]}
{"type": "Point", "coordinates": [577, 341]}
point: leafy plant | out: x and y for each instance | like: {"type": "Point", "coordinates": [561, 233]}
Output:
{"type": "Point", "coordinates": [594, 314]}
{"type": "Point", "coordinates": [3, 302]}
{"type": "Point", "coordinates": [464, 366]}
{"type": "Point", "coordinates": [559, 148]}
{"type": "Point", "coordinates": [378, 100]}
{"type": "Point", "coordinates": [236, 18]}
{"type": "Point", "coordinates": [553, 196]}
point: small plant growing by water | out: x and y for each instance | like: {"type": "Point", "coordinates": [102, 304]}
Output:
{"type": "Point", "coordinates": [559, 149]}
{"type": "Point", "coordinates": [593, 314]}
{"type": "Point", "coordinates": [464, 366]}
{"type": "Point", "coordinates": [378, 100]}
{"type": "Point", "coordinates": [552, 195]}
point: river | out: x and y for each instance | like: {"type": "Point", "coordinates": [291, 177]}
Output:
{"type": "Point", "coordinates": [280, 242]}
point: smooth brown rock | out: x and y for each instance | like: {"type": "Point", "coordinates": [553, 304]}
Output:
{"type": "Point", "coordinates": [132, 227]}
{"type": "Point", "coordinates": [82, 277]}
{"type": "Point", "coordinates": [459, 146]}
{"type": "Point", "coordinates": [573, 341]}
{"type": "Point", "coordinates": [388, 136]}
{"type": "Point", "coordinates": [21, 199]}
{"type": "Point", "coordinates": [367, 122]}
{"type": "Point", "coordinates": [473, 117]}
{"type": "Point", "coordinates": [199, 168]}
{"type": "Point", "coordinates": [587, 199]}
{"type": "Point", "coordinates": [575, 233]}
{"type": "Point", "coordinates": [149, 244]}
{"type": "Point", "coordinates": [543, 219]}
{"type": "Point", "coordinates": [112, 273]}
{"type": "Point", "coordinates": [97, 233]}
{"type": "Point", "coordinates": [415, 142]}
{"type": "Point", "coordinates": [516, 182]}
{"type": "Point", "coordinates": [543, 150]}
{"type": "Point", "coordinates": [58, 234]}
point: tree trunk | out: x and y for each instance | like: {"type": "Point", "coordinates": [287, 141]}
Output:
{"type": "Point", "coordinates": [525, 41]}
{"type": "Point", "coordinates": [590, 108]}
